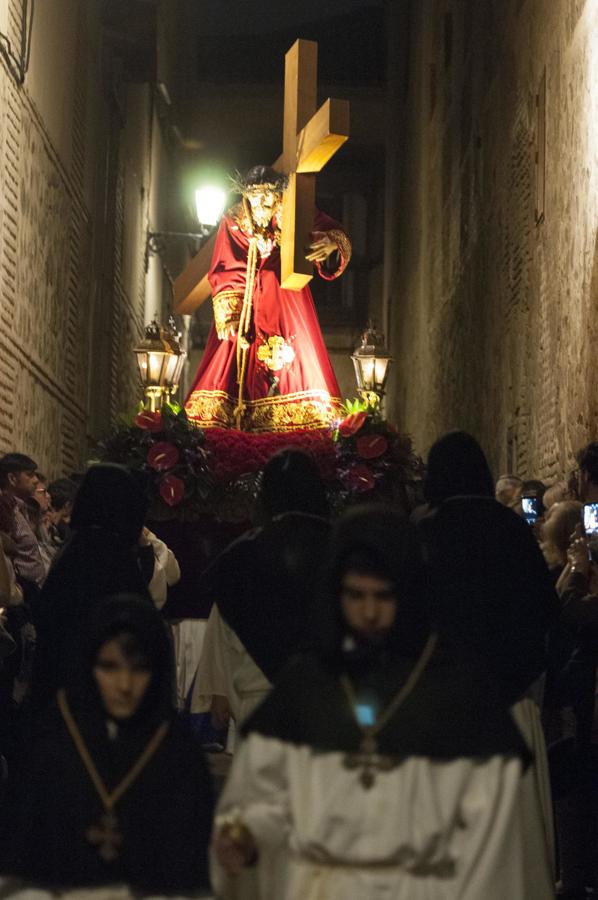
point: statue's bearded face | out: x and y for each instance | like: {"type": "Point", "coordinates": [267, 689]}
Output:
{"type": "Point", "coordinates": [264, 204]}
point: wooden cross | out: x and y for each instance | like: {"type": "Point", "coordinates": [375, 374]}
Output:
{"type": "Point", "coordinates": [310, 139]}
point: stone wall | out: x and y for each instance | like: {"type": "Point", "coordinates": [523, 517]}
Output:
{"type": "Point", "coordinates": [75, 148]}
{"type": "Point", "coordinates": [493, 256]}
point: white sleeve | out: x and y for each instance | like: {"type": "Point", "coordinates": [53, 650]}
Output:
{"type": "Point", "coordinates": [502, 852]}
{"type": "Point", "coordinates": [256, 792]}
{"type": "Point", "coordinates": [166, 571]}
{"type": "Point", "coordinates": [214, 675]}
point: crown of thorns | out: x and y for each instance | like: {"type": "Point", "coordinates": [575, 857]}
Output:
{"type": "Point", "coordinates": [258, 180]}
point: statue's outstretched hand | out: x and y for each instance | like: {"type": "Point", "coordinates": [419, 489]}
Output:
{"type": "Point", "coordinates": [321, 247]}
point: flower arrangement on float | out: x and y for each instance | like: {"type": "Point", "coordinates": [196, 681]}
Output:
{"type": "Point", "coordinates": [191, 472]}
{"type": "Point", "coordinates": [372, 456]}
{"type": "Point", "coordinates": [169, 452]}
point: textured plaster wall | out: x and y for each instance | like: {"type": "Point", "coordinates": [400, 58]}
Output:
{"type": "Point", "coordinates": [73, 213]}
{"type": "Point", "coordinates": [494, 317]}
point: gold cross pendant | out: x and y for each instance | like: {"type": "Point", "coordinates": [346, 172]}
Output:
{"type": "Point", "coordinates": [106, 836]}
{"type": "Point", "coordinates": [369, 761]}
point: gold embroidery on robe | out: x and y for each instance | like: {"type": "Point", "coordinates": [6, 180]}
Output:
{"type": "Point", "coordinates": [227, 311]}
{"type": "Point", "coordinates": [301, 411]}
{"type": "Point", "coordinates": [211, 409]}
{"type": "Point", "coordinates": [276, 353]}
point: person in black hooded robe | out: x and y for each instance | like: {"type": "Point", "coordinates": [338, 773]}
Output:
{"type": "Point", "coordinates": [121, 714]}
{"type": "Point", "coordinates": [377, 767]}
{"type": "Point", "coordinates": [101, 557]}
{"type": "Point", "coordinates": [486, 569]}
{"type": "Point", "coordinates": [262, 587]}
{"type": "Point", "coordinates": [492, 592]}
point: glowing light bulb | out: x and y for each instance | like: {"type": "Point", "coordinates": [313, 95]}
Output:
{"type": "Point", "coordinates": [209, 203]}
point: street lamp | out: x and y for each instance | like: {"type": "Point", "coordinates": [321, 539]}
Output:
{"type": "Point", "coordinates": [160, 360]}
{"type": "Point", "coordinates": [371, 361]}
{"type": "Point", "coordinates": [209, 204]}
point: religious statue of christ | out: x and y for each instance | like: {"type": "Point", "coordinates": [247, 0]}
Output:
{"type": "Point", "coordinates": [265, 366]}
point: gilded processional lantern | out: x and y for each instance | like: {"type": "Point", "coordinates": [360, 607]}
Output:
{"type": "Point", "coordinates": [371, 361]}
{"type": "Point", "coordinates": [160, 360]}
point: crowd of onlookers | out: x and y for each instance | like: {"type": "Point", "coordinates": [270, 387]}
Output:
{"type": "Point", "coordinates": [505, 592]}
{"type": "Point", "coordinates": [35, 526]}
{"type": "Point", "coordinates": [564, 519]}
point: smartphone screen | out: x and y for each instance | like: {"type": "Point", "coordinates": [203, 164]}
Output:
{"type": "Point", "coordinates": [590, 518]}
{"type": "Point", "coordinates": [530, 507]}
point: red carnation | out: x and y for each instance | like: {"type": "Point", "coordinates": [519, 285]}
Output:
{"type": "Point", "coordinates": [162, 455]}
{"type": "Point", "coordinates": [371, 446]}
{"type": "Point", "coordinates": [359, 478]}
{"type": "Point", "coordinates": [149, 421]}
{"type": "Point", "coordinates": [351, 424]}
{"type": "Point", "coordinates": [172, 489]}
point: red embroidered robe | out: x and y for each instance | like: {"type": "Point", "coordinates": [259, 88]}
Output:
{"type": "Point", "coordinates": [287, 380]}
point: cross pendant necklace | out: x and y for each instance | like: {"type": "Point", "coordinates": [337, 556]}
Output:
{"type": "Point", "coordinates": [368, 759]}
{"type": "Point", "coordinates": [105, 835]}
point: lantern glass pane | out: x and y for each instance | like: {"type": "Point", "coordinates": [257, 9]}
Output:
{"type": "Point", "coordinates": [142, 365]}
{"type": "Point", "coordinates": [154, 373]}
{"type": "Point", "coordinates": [368, 367]}
{"type": "Point", "coordinates": [358, 374]}
{"type": "Point", "coordinates": [178, 369]}
{"type": "Point", "coordinates": [170, 368]}
{"type": "Point", "coordinates": [381, 365]}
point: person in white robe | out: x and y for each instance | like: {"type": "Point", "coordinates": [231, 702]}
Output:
{"type": "Point", "coordinates": [379, 767]}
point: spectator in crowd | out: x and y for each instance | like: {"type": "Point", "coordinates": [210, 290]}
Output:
{"type": "Point", "coordinates": [102, 557]}
{"type": "Point", "coordinates": [508, 490]}
{"type": "Point", "coordinates": [18, 480]}
{"type": "Point", "coordinates": [535, 489]}
{"type": "Point", "coordinates": [252, 632]}
{"type": "Point", "coordinates": [62, 496]}
{"type": "Point", "coordinates": [11, 593]}
{"type": "Point", "coordinates": [376, 767]}
{"type": "Point", "coordinates": [557, 493]}
{"type": "Point", "coordinates": [113, 789]}
{"type": "Point", "coordinates": [40, 517]}
{"type": "Point", "coordinates": [560, 521]}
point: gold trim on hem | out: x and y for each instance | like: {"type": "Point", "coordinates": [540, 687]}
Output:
{"type": "Point", "coordinates": [300, 411]}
